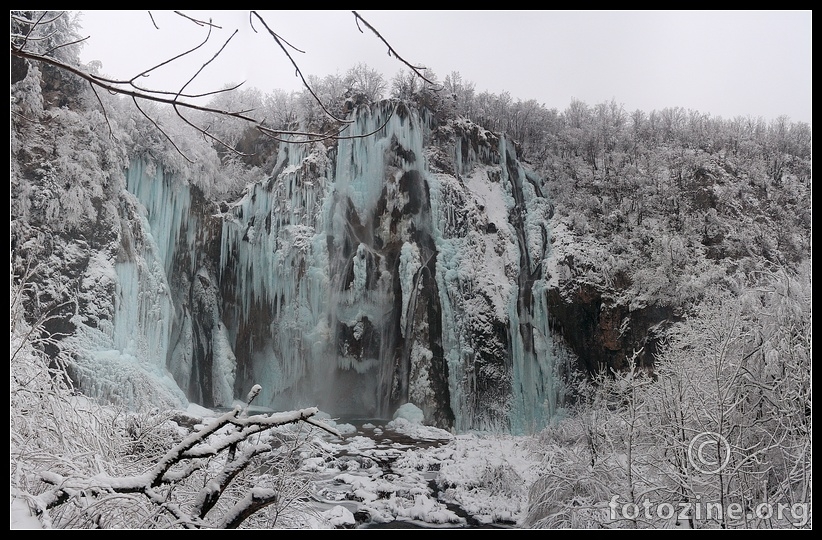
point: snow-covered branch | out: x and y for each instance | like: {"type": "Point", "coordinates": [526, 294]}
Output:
{"type": "Point", "coordinates": [220, 436]}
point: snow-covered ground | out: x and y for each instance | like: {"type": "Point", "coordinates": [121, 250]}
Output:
{"type": "Point", "coordinates": [402, 473]}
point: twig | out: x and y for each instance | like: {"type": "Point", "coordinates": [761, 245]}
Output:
{"type": "Point", "coordinates": [299, 73]}
{"type": "Point", "coordinates": [152, 20]}
{"type": "Point", "coordinates": [391, 51]}
{"type": "Point", "coordinates": [150, 119]}
{"type": "Point", "coordinates": [197, 21]}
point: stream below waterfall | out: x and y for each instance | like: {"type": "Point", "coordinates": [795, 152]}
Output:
{"type": "Point", "coordinates": [384, 474]}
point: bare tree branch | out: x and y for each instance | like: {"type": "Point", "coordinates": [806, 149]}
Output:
{"type": "Point", "coordinates": [314, 137]}
{"type": "Point", "coordinates": [150, 95]}
{"type": "Point", "coordinates": [174, 58]}
{"type": "Point", "coordinates": [156, 125]}
{"type": "Point", "coordinates": [391, 52]}
{"type": "Point", "coordinates": [102, 108]}
{"type": "Point", "coordinates": [299, 73]}
{"type": "Point", "coordinates": [197, 21]}
{"type": "Point", "coordinates": [152, 20]}
{"type": "Point", "coordinates": [181, 101]}
{"type": "Point", "coordinates": [154, 484]}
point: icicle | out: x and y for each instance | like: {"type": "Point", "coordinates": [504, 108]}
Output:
{"type": "Point", "coordinates": [350, 277]}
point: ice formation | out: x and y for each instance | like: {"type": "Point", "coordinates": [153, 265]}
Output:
{"type": "Point", "coordinates": [403, 267]}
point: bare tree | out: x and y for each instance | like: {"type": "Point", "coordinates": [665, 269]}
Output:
{"type": "Point", "coordinates": [42, 37]}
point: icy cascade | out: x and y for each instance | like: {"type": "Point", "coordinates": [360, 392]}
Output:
{"type": "Point", "coordinates": [377, 213]}
{"type": "Point", "coordinates": [188, 336]}
{"type": "Point", "coordinates": [405, 266]}
{"type": "Point", "coordinates": [362, 278]}
{"type": "Point", "coordinates": [144, 311]}
{"type": "Point", "coordinates": [535, 383]}
{"type": "Point", "coordinates": [166, 208]}
{"type": "Point", "coordinates": [492, 218]}
{"type": "Point", "coordinates": [274, 278]}
{"type": "Point", "coordinates": [309, 287]}
{"type": "Point", "coordinates": [127, 352]}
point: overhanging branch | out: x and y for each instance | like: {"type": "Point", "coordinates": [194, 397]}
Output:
{"type": "Point", "coordinates": [34, 28]}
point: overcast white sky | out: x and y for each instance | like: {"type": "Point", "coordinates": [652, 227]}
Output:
{"type": "Point", "coordinates": [726, 63]}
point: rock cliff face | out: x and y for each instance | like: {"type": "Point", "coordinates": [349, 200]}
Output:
{"type": "Point", "coordinates": [406, 266]}
{"type": "Point", "coordinates": [603, 333]}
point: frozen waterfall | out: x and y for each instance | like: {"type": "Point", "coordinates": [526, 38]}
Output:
{"type": "Point", "coordinates": [406, 266]}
